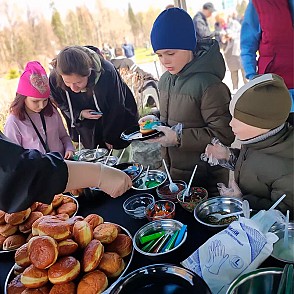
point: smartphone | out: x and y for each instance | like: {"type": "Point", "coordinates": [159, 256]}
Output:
{"type": "Point", "coordinates": [96, 112]}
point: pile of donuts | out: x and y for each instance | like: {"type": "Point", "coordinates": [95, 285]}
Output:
{"type": "Point", "coordinates": [68, 256]}
{"type": "Point", "coordinates": [15, 228]}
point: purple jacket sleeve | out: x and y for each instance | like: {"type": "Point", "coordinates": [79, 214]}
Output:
{"type": "Point", "coordinates": [27, 176]}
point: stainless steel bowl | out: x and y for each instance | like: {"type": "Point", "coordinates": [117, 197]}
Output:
{"type": "Point", "coordinates": [168, 225]}
{"type": "Point", "coordinates": [263, 280]}
{"type": "Point", "coordinates": [280, 252]}
{"type": "Point", "coordinates": [93, 154]}
{"type": "Point", "coordinates": [159, 279]}
{"type": "Point", "coordinates": [214, 205]}
{"type": "Point", "coordinates": [156, 176]}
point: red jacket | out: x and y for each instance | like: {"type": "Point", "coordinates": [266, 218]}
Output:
{"type": "Point", "coordinates": [276, 44]}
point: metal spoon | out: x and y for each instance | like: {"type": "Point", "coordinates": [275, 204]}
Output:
{"type": "Point", "coordinates": [172, 186]}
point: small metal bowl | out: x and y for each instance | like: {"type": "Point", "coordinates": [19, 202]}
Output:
{"type": "Point", "coordinates": [160, 209]}
{"type": "Point", "coordinates": [155, 178]}
{"type": "Point", "coordinates": [217, 204]}
{"type": "Point", "coordinates": [280, 252]}
{"type": "Point", "coordinates": [266, 280]}
{"type": "Point", "coordinates": [164, 192]}
{"type": "Point", "coordinates": [135, 206]}
{"type": "Point", "coordinates": [112, 160]}
{"type": "Point", "coordinates": [92, 155]}
{"type": "Point", "coordinates": [78, 153]}
{"type": "Point", "coordinates": [168, 225]}
{"type": "Point", "coordinates": [132, 169]}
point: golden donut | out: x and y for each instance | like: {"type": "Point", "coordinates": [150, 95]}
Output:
{"type": "Point", "coordinates": [42, 251]}
{"type": "Point", "coordinates": [92, 255]}
{"type": "Point", "coordinates": [106, 233]}
{"type": "Point", "coordinates": [64, 270]}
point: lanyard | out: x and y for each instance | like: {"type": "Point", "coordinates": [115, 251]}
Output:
{"type": "Point", "coordinates": [44, 143]}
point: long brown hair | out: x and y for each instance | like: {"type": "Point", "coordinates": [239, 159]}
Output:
{"type": "Point", "coordinates": [74, 60]}
{"type": "Point", "coordinates": [17, 107]}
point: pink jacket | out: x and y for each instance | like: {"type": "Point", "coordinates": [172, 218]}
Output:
{"type": "Point", "coordinates": [23, 133]}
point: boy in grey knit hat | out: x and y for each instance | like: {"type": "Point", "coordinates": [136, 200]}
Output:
{"type": "Point", "coordinates": [263, 167]}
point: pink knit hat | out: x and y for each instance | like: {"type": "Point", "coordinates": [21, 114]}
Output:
{"type": "Point", "coordinates": [34, 81]}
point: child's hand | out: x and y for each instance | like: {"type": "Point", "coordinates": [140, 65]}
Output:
{"type": "Point", "coordinates": [215, 152]}
{"type": "Point", "coordinates": [68, 154]}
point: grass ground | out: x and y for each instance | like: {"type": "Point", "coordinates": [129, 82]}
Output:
{"type": "Point", "coordinates": [144, 55]}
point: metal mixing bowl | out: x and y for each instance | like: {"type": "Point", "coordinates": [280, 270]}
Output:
{"type": "Point", "coordinates": [168, 225]}
{"type": "Point", "coordinates": [156, 176]}
{"type": "Point", "coordinates": [93, 154]}
{"type": "Point", "coordinates": [260, 281]}
{"type": "Point", "coordinates": [217, 204]}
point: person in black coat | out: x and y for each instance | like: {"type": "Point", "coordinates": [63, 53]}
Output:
{"type": "Point", "coordinates": [94, 100]}
{"type": "Point", "coordinates": [27, 175]}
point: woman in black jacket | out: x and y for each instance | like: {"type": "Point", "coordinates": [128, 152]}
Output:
{"type": "Point", "coordinates": [95, 101]}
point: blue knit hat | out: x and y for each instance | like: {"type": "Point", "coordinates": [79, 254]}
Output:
{"type": "Point", "coordinates": [173, 29]}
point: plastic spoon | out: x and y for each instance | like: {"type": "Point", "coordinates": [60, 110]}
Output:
{"type": "Point", "coordinates": [108, 157]}
{"type": "Point", "coordinates": [172, 186]}
{"type": "Point", "coordinates": [219, 216]}
{"type": "Point", "coordinates": [186, 193]}
{"type": "Point", "coordinates": [286, 232]}
{"type": "Point", "coordinates": [145, 178]}
{"type": "Point", "coordinates": [79, 144]}
{"type": "Point", "coordinates": [121, 155]}
{"type": "Point", "coordinates": [96, 152]}
{"type": "Point", "coordinates": [246, 209]}
{"type": "Point", "coordinates": [278, 202]}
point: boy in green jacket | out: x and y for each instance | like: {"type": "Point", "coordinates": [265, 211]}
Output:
{"type": "Point", "coordinates": [194, 102]}
{"type": "Point", "coordinates": [263, 167]}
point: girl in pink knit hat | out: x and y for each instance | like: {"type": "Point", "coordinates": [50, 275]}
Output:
{"type": "Point", "coordinates": [34, 123]}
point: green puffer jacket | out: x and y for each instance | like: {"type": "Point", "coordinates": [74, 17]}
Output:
{"type": "Point", "coordinates": [264, 171]}
{"type": "Point", "coordinates": [197, 98]}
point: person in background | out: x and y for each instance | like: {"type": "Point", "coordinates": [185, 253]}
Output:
{"type": "Point", "coordinates": [27, 175]}
{"type": "Point", "coordinates": [34, 123]}
{"type": "Point", "coordinates": [121, 62]}
{"type": "Point", "coordinates": [128, 48]}
{"type": "Point", "coordinates": [263, 167]}
{"type": "Point", "coordinates": [106, 52]}
{"type": "Point", "coordinates": [267, 28]}
{"type": "Point", "coordinates": [230, 40]}
{"type": "Point", "coordinates": [194, 103]}
{"type": "Point", "coordinates": [201, 24]}
{"type": "Point", "coordinates": [93, 98]}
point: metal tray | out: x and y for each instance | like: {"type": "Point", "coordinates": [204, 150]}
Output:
{"type": "Point", "coordinates": [112, 282]}
{"type": "Point", "coordinates": [76, 202]}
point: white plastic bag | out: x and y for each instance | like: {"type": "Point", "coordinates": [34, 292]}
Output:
{"type": "Point", "coordinates": [238, 249]}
